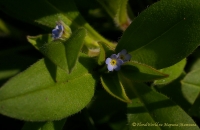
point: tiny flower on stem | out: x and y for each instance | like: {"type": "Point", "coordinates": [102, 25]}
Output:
{"type": "Point", "coordinates": [113, 63]}
{"type": "Point", "coordinates": [58, 31]}
{"type": "Point", "coordinates": [124, 56]}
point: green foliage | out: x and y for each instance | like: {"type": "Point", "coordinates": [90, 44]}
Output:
{"type": "Point", "coordinates": [45, 92]}
{"type": "Point", "coordinates": [191, 84]}
{"type": "Point", "coordinates": [113, 86]}
{"type": "Point", "coordinates": [195, 108]}
{"type": "Point", "coordinates": [78, 85]}
{"type": "Point", "coordinates": [117, 9]}
{"type": "Point", "coordinates": [64, 53]}
{"type": "Point", "coordinates": [173, 71]}
{"type": "Point", "coordinates": [156, 31]}
{"type": "Point", "coordinates": [142, 111]}
{"type": "Point", "coordinates": [48, 12]}
{"type": "Point", "coordinates": [102, 55]}
{"type": "Point", "coordinates": [140, 72]}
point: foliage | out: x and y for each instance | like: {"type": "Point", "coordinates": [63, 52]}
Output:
{"type": "Point", "coordinates": [147, 79]}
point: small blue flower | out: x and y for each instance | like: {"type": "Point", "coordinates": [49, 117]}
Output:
{"type": "Point", "coordinates": [113, 63]}
{"type": "Point", "coordinates": [124, 56]}
{"type": "Point", "coordinates": [58, 31]}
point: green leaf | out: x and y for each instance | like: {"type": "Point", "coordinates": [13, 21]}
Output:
{"type": "Point", "coordinates": [194, 61]}
{"type": "Point", "coordinates": [117, 9]}
{"type": "Point", "coordinates": [194, 111]}
{"type": "Point", "coordinates": [63, 53]}
{"type": "Point", "coordinates": [105, 51]}
{"type": "Point", "coordinates": [46, 13]}
{"type": "Point", "coordinates": [176, 92]}
{"type": "Point", "coordinates": [191, 86]}
{"type": "Point", "coordinates": [45, 92]}
{"type": "Point", "coordinates": [108, 106]}
{"type": "Point", "coordinates": [122, 18]}
{"type": "Point", "coordinates": [108, 49]}
{"type": "Point", "coordinates": [39, 40]}
{"type": "Point", "coordinates": [102, 55]}
{"type": "Point", "coordinates": [195, 65]}
{"type": "Point", "coordinates": [53, 125]}
{"type": "Point", "coordinates": [163, 34]}
{"type": "Point", "coordinates": [173, 71]}
{"type": "Point", "coordinates": [113, 86]}
{"type": "Point", "coordinates": [152, 109]}
{"type": "Point", "coordinates": [140, 72]}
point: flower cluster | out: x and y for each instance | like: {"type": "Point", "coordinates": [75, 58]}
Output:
{"type": "Point", "coordinates": [115, 61]}
{"type": "Point", "coordinates": [57, 32]}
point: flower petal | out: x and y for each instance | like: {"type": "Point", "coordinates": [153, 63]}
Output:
{"type": "Point", "coordinates": [123, 52]}
{"type": "Point", "coordinates": [119, 62]}
{"type": "Point", "coordinates": [117, 68]}
{"type": "Point", "coordinates": [56, 27]}
{"type": "Point", "coordinates": [108, 60]}
{"type": "Point", "coordinates": [55, 33]}
{"type": "Point", "coordinates": [58, 31]}
{"type": "Point", "coordinates": [127, 57]}
{"type": "Point", "coordinates": [60, 27]}
{"type": "Point", "coordinates": [118, 55]}
{"type": "Point", "coordinates": [110, 67]}
{"type": "Point", "coordinates": [113, 56]}
{"type": "Point", "coordinates": [60, 34]}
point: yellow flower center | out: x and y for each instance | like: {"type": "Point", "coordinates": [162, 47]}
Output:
{"type": "Point", "coordinates": [113, 62]}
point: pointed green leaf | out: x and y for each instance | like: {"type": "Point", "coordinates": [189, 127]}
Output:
{"type": "Point", "coordinates": [117, 9]}
{"type": "Point", "coordinates": [46, 13]}
{"type": "Point", "coordinates": [173, 71]}
{"type": "Point", "coordinates": [64, 53]}
{"type": "Point", "coordinates": [191, 86]}
{"type": "Point", "coordinates": [154, 110]}
{"type": "Point", "coordinates": [45, 92]}
{"type": "Point", "coordinates": [53, 125]}
{"type": "Point", "coordinates": [140, 72]}
{"type": "Point", "coordinates": [163, 34]}
{"type": "Point", "coordinates": [113, 86]}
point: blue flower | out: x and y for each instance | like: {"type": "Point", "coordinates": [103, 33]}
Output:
{"type": "Point", "coordinates": [124, 56]}
{"type": "Point", "coordinates": [113, 63]}
{"type": "Point", "coordinates": [58, 31]}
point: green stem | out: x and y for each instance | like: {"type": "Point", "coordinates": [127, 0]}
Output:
{"type": "Point", "coordinates": [97, 37]}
